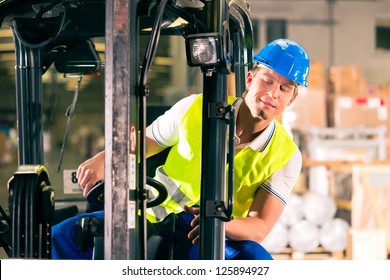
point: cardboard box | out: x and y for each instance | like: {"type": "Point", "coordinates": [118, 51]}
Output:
{"type": "Point", "coordinates": [347, 80]}
{"type": "Point", "coordinates": [317, 77]}
{"type": "Point", "coordinates": [359, 111]}
{"type": "Point", "coordinates": [307, 110]}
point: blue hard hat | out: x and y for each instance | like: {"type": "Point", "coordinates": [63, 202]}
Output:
{"type": "Point", "coordinates": [287, 58]}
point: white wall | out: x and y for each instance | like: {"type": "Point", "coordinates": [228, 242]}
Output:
{"type": "Point", "coordinates": [353, 32]}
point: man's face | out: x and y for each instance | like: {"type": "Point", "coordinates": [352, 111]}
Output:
{"type": "Point", "coordinates": [269, 93]}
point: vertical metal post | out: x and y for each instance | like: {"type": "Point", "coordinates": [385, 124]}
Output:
{"type": "Point", "coordinates": [239, 71]}
{"type": "Point", "coordinates": [120, 162]}
{"type": "Point", "coordinates": [213, 182]}
{"type": "Point", "coordinates": [242, 35]}
{"type": "Point", "coordinates": [137, 227]}
{"type": "Point", "coordinates": [29, 103]}
{"type": "Point", "coordinates": [213, 177]}
{"type": "Point", "coordinates": [31, 228]}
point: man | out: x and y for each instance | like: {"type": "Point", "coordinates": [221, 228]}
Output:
{"type": "Point", "coordinates": [267, 162]}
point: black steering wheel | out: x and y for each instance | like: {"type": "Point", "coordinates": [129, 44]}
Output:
{"type": "Point", "coordinates": [95, 197]}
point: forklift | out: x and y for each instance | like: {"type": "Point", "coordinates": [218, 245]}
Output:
{"type": "Point", "coordinates": [58, 33]}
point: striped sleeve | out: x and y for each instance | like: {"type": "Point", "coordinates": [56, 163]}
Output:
{"type": "Point", "coordinates": [165, 128]}
{"type": "Point", "coordinates": [282, 182]}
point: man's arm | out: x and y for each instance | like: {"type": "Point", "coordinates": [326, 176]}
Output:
{"type": "Point", "coordinates": [92, 170]}
{"type": "Point", "coordinates": [152, 147]}
{"type": "Point", "coordinates": [265, 211]}
{"type": "Point", "coordinates": [266, 208]}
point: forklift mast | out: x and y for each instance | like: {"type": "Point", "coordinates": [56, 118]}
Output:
{"type": "Point", "coordinates": [44, 31]}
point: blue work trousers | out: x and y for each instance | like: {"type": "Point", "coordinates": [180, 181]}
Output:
{"type": "Point", "coordinates": [64, 242]}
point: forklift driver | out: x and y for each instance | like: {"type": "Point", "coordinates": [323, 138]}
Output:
{"type": "Point", "coordinates": [267, 162]}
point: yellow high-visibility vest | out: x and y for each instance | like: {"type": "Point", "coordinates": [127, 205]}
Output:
{"type": "Point", "coordinates": [181, 171]}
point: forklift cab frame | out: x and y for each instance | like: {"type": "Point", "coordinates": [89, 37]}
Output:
{"type": "Point", "coordinates": [59, 32]}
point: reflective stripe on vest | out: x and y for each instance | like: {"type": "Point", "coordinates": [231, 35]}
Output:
{"type": "Point", "coordinates": [159, 212]}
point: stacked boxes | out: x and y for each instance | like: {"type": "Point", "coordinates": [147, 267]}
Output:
{"type": "Point", "coordinates": [317, 77]}
{"type": "Point", "coordinates": [347, 80]}
{"type": "Point", "coordinates": [355, 103]}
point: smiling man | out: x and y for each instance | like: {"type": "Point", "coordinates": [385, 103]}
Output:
{"type": "Point", "coordinates": [267, 162]}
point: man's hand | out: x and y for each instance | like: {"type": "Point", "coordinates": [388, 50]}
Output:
{"type": "Point", "coordinates": [90, 172]}
{"type": "Point", "coordinates": [194, 233]}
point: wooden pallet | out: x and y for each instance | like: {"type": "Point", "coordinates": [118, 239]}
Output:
{"type": "Point", "coordinates": [317, 254]}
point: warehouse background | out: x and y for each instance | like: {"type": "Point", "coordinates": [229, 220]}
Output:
{"type": "Point", "coordinates": [335, 32]}
{"type": "Point", "coordinates": [341, 123]}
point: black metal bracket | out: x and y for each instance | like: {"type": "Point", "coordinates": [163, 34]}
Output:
{"type": "Point", "coordinates": [220, 110]}
{"type": "Point", "coordinates": [217, 209]}
{"type": "Point", "coordinates": [225, 112]}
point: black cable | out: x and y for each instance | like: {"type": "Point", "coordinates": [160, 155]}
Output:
{"type": "Point", "coordinates": [69, 113]}
{"type": "Point", "coordinates": [153, 43]}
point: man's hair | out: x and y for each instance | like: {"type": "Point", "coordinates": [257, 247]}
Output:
{"type": "Point", "coordinates": [255, 69]}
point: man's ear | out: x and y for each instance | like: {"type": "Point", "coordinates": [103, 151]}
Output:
{"type": "Point", "coordinates": [249, 79]}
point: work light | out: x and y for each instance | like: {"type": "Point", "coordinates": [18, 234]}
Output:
{"type": "Point", "coordinates": [203, 50]}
